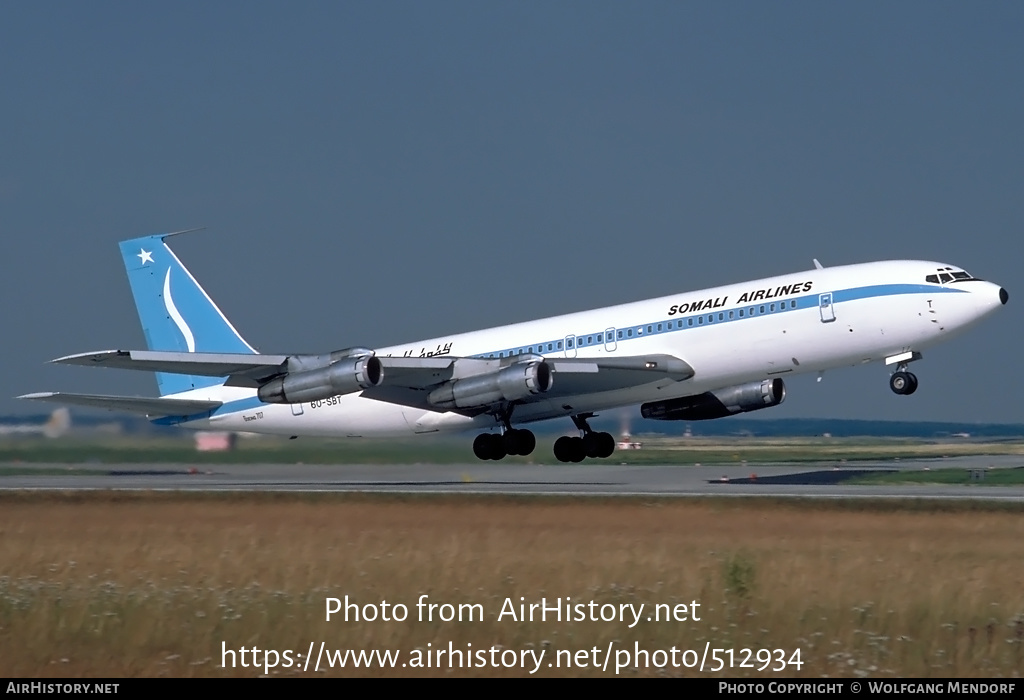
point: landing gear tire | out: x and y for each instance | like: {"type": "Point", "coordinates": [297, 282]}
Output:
{"type": "Point", "coordinates": [569, 449]}
{"type": "Point", "coordinates": [903, 383]}
{"type": "Point", "coordinates": [482, 446]}
{"type": "Point", "coordinates": [562, 449]}
{"type": "Point", "coordinates": [599, 445]}
{"type": "Point", "coordinates": [489, 446]}
{"type": "Point", "coordinates": [593, 445]}
{"type": "Point", "coordinates": [519, 442]}
{"type": "Point", "coordinates": [578, 450]}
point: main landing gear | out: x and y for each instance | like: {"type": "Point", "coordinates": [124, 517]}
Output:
{"type": "Point", "coordinates": [513, 441]}
{"type": "Point", "coordinates": [518, 441]}
{"type": "Point", "coordinates": [591, 444]}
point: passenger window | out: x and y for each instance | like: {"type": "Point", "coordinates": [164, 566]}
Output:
{"type": "Point", "coordinates": [639, 330]}
{"type": "Point", "coordinates": [630, 332]}
{"type": "Point", "coordinates": [559, 345]}
{"type": "Point", "coordinates": [568, 342]}
{"type": "Point", "coordinates": [741, 313]}
{"type": "Point", "coordinates": [771, 307]}
{"type": "Point", "coordinates": [700, 320]}
{"type": "Point", "coordinates": [761, 309]}
{"type": "Point", "coordinates": [620, 335]}
{"type": "Point", "coordinates": [659, 326]}
{"type": "Point", "coordinates": [648, 329]}
{"type": "Point", "coordinates": [689, 322]}
{"type": "Point", "coordinates": [711, 318]}
{"type": "Point", "coordinates": [792, 304]}
{"type": "Point", "coordinates": [731, 315]}
{"type": "Point", "coordinates": [721, 316]}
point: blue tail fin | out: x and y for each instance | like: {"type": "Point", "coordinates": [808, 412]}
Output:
{"type": "Point", "coordinates": [176, 313]}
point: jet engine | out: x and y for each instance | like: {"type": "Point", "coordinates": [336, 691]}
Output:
{"type": "Point", "coordinates": [507, 384]}
{"type": "Point", "coordinates": [343, 375]}
{"type": "Point", "coordinates": [718, 404]}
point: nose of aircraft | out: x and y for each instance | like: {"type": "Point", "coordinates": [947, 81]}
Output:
{"type": "Point", "coordinates": [990, 298]}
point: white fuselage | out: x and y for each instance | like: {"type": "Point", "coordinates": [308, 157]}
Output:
{"type": "Point", "coordinates": [803, 322]}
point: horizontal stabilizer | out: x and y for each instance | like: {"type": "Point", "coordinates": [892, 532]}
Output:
{"type": "Point", "coordinates": [242, 369]}
{"type": "Point", "coordinates": [135, 404]}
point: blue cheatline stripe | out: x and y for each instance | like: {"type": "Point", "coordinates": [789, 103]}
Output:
{"type": "Point", "coordinates": [710, 318]}
{"type": "Point", "coordinates": [673, 325]}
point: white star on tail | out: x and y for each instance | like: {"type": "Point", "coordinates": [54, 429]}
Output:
{"type": "Point", "coordinates": [145, 256]}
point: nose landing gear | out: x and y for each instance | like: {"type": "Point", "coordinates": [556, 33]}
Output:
{"type": "Point", "coordinates": [903, 383]}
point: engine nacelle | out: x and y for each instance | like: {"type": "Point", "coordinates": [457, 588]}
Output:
{"type": "Point", "coordinates": [507, 384]}
{"type": "Point", "coordinates": [718, 404]}
{"type": "Point", "coordinates": [344, 376]}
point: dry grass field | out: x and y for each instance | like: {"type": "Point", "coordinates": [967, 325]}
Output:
{"type": "Point", "coordinates": [159, 584]}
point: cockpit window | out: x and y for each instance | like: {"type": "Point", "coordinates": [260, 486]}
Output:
{"type": "Point", "coordinates": [948, 275]}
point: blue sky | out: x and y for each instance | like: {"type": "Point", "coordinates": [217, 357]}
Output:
{"type": "Point", "coordinates": [376, 173]}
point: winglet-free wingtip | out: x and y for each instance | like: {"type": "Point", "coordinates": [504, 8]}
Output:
{"type": "Point", "coordinates": [178, 233]}
{"type": "Point", "coordinates": [38, 395]}
{"type": "Point", "coordinates": [96, 356]}
{"type": "Point", "coordinates": [818, 264]}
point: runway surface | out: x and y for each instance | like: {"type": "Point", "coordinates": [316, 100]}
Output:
{"type": "Point", "coordinates": [592, 478]}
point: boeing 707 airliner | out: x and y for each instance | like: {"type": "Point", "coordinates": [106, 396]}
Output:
{"type": "Point", "coordinates": [690, 356]}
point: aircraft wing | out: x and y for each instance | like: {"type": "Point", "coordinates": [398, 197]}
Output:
{"type": "Point", "coordinates": [133, 404]}
{"type": "Point", "coordinates": [241, 370]}
{"type": "Point", "coordinates": [409, 380]}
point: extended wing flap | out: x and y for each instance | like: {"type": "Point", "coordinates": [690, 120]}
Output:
{"type": "Point", "coordinates": [134, 404]}
{"type": "Point", "coordinates": [243, 370]}
{"type": "Point", "coordinates": [575, 376]}
{"type": "Point", "coordinates": [418, 372]}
